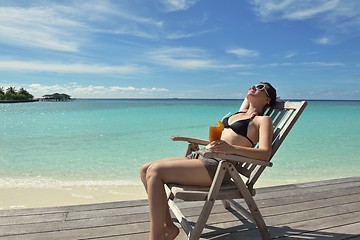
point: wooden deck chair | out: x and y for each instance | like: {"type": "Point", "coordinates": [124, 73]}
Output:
{"type": "Point", "coordinates": [284, 115]}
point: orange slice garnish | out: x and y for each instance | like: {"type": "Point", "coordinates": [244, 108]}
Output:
{"type": "Point", "coordinates": [221, 125]}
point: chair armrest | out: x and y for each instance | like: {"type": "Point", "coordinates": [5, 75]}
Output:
{"type": "Point", "coordinates": [191, 140]}
{"type": "Point", "coordinates": [237, 158]}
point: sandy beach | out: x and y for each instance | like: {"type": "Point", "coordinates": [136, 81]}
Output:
{"type": "Point", "coordinates": [34, 197]}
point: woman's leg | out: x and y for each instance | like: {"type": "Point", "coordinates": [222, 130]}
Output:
{"type": "Point", "coordinates": [168, 223]}
{"type": "Point", "coordinates": [170, 228]}
{"type": "Point", "coordinates": [182, 171]}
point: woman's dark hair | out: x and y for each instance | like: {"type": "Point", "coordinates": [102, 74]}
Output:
{"type": "Point", "coordinates": [271, 91]}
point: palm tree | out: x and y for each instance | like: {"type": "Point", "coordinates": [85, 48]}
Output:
{"type": "Point", "coordinates": [22, 91]}
{"type": "Point", "coordinates": [2, 94]}
{"type": "Point", "coordinates": [12, 94]}
{"type": "Point", "coordinates": [11, 90]}
{"type": "Point", "coordinates": [23, 94]}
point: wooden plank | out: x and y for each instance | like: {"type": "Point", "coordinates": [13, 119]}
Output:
{"type": "Point", "coordinates": [62, 209]}
{"type": "Point", "coordinates": [351, 199]}
{"type": "Point", "coordinates": [275, 208]}
{"type": "Point", "coordinates": [334, 233]}
{"type": "Point", "coordinates": [272, 194]}
{"type": "Point", "coordinates": [308, 193]}
{"type": "Point", "coordinates": [105, 212]}
{"type": "Point", "coordinates": [72, 232]}
{"type": "Point", "coordinates": [310, 205]}
{"type": "Point", "coordinates": [229, 230]}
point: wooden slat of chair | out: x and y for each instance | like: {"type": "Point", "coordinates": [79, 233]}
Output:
{"type": "Point", "coordinates": [288, 121]}
{"type": "Point", "coordinates": [293, 115]}
{"type": "Point", "coordinates": [282, 118]}
{"type": "Point", "coordinates": [276, 115]}
{"type": "Point", "coordinates": [278, 118]}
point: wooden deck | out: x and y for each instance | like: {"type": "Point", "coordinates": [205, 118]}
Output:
{"type": "Point", "coordinates": [316, 210]}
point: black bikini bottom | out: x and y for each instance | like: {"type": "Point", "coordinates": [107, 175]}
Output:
{"type": "Point", "coordinates": [210, 164]}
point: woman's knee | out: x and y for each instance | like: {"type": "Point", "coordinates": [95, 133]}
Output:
{"type": "Point", "coordinates": [143, 168]}
{"type": "Point", "coordinates": [153, 171]}
{"type": "Point", "coordinates": [143, 171]}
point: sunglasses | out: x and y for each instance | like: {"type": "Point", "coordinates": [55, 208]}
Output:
{"type": "Point", "coordinates": [260, 87]}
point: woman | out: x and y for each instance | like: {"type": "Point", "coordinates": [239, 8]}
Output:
{"type": "Point", "coordinates": [242, 131]}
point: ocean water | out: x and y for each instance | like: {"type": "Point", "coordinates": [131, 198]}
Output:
{"type": "Point", "coordinates": [104, 142]}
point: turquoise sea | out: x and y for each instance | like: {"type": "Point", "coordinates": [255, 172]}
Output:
{"type": "Point", "coordinates": [104, 142]}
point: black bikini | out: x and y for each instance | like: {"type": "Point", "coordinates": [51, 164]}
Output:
{"type": "Point", "coordinates": [240, 127]}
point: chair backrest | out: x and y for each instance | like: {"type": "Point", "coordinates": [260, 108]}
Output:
{"type": "Point", "coordinates": [283, 115]}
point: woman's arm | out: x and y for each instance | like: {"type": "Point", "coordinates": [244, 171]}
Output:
{"type": "Point", "coordinates": [263, 152]}
{"type": "Point", "coordinates": [244, 106]}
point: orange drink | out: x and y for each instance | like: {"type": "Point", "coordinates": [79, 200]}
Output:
{"type": "Point", "coordinates": [215, 131]}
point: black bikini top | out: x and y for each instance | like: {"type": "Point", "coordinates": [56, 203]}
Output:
{"type": "Point", "coordinates": [240, 127]}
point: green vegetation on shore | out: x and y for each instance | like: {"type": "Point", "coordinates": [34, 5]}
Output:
{"type": "Point", "coordinates": [12, 94]}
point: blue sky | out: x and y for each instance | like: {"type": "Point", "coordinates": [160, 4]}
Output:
{"type": "Point", "coordinates": [181, 48]}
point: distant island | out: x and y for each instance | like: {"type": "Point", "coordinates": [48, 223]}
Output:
{"type": "Point", "coordinates": [11, 95]}
{"type": "Point", "coordinates": [57, 97]}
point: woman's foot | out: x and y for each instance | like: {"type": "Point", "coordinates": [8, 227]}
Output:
{"type": "Point", "coordinates": [171, 232]}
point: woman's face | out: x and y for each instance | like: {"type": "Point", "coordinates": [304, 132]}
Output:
{"type": "Point", "coordinates": [258, 92]}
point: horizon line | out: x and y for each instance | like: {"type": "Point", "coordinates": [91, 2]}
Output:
{"type": "Point", "coordinates": [229, 99]}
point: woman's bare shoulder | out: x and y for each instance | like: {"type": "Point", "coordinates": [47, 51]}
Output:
{"type": "Point", "coordinates": [263, 120]}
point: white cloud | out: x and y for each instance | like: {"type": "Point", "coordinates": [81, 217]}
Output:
{"type": "Point", "coordinates": [322, 41]}
{"type": "Point", "coordinates": [242, 52]}
{"type": "Point", "coordinates": [79, 91]}
{"type": "Point", "coordinates": [77, 68]}
{"type": "Point", "coordinates": [38, 27]}
{"type": "Point", "coordinates": [286, 64]}
{"type": "Point", "coordinates": [187, 35]}
{"type": "Point", "coordinates": [188, 59]}
{"type": "Point", "coordinates": [72, 25]}
{"type": "Point", "coordinates": [178, 5]}
{"type": "Point", "coordinates": [293, 9]}
{"type": "Point", "coordinates": [106, 10]}
{"type": "Point", "coordinates": [290, 55]}
{"type": "Point", "coordinates": [67, 26]}
{"type": "Point", "coordinates": [309, 64]}
{"type": "Point", "coordinates": [324, 64]}
{"type": "Point", "coordinates": [335, 17]}
{"type": "Point", "coordinates": [184, 58]}
{"type": "Point", "coordinates": [310, 10]}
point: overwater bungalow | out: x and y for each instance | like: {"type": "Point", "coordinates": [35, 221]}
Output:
{"type": "Point", "coordinates": [57, 97]}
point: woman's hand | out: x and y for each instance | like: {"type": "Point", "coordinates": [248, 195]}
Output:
{"type": "Point", "coordinates": [220, 146]}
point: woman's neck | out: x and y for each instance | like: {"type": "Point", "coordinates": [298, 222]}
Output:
{"type": "Point", "coordinates": [254, 110]}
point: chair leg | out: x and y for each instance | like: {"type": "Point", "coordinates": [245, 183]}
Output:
{"type": "Point", "coordinates": [201, 222]}
{"type": "Point", "coordinates": [250, 202]}
{"type": "Point", "coordinates": [226, 204]}
{"type": "Point", "coordinates": [209, 203]}
{"type": "Point", "coordinates": [180, 217]}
